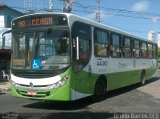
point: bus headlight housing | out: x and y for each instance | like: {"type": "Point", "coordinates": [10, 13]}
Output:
{"type": "Point", "coordinates": [14, 83]}
{"type": "Point", "coordinates": [59, 83]}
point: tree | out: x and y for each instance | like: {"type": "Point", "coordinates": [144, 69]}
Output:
{"type": "Point", "coordinates": [158, 52]}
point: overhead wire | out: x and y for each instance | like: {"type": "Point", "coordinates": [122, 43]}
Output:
{"type": "Point", "coordinates": [146, 15]}
{"type": "Point", "coordinates": [107, 11]}
{"type": "Point", "coordinates": [89, 9]}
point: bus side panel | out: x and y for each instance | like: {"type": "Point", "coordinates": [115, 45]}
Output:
{"type": "Point", "coordinates": [150, 72]}
{"type": "Point", "coordinates": [83, 82]}
{"type": "Point", "coordinates": [122, 79]}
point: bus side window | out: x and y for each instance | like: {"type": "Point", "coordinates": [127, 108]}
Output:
{"type": "Point", "coordinates": [84, 49]}
{"type": "Point", "coordinates": [150, 50]}
{"type": "Point", "coordinates": [154, 51]}
{"type": "Point", "coordinates": [116, 45]}
{"type": "Point", "coordinates": [81, 45]}
{"type": "Point", "coordinates": [136, 48]}
{"type": "Point", "coordinates": [127, 51]}
{"type": "Point", "coordinates": [101, 43]}
{"type": "Point", "coordinates": [144, 52]}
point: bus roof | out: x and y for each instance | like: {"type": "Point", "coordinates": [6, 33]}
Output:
{"type": "Point", "coordinates": [110, 28]}
{"type": "Point", "coordinates": [93, 23]}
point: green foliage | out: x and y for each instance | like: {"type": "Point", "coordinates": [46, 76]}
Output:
{"type": "Point", "coordinates": [158, 52]}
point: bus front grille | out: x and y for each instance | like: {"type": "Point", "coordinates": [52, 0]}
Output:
{"type": "Point", "coordinates": [38, 94]}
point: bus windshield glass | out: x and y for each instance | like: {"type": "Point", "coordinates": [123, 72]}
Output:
{"type": "Point", "coordinates": [47, 50]}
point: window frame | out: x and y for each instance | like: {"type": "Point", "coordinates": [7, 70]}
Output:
{"type": "Point", "coordinates": [155, 51]}
{"type": "Point", "coordinates": [136, 48]}
{"type": "Point", "coordinates": [80, 29]}
{"type": "Point", "coordinates": [103, 45]}
{"type": "Point", "coordinates": [150, 51]}
{"type": "Point", "coordinates": [127, 47]}
{"type": "Point", "coordinates": [115, 46]}
{"type": "Point", "coordinates": [142, 54]}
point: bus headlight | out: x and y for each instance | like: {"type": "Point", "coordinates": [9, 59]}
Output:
{"type": "Point", "coordinates": [14, 83]}
{"type": "Point", "coordinates": [59, 83]}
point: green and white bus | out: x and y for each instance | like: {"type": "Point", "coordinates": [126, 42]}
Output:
{"type": "Point", "coordinates": [61, 56]}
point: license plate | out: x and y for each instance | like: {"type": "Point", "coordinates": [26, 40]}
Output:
{"type": "Point", "coordinates": [32, 93]}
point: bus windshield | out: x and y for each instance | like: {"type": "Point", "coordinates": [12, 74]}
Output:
{"type": "Point", "coordinates": [47, 50]}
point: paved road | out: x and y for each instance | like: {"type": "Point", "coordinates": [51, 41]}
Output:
{"type": "Point", "coordinates": [132, 100]}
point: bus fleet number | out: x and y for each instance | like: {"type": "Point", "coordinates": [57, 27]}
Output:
{"type": "Point", "coordinates": [102, 63]}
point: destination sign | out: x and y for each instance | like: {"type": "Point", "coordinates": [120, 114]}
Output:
{"type": "Point", "coordinates": [42, 21]}
{"type": "Point", "coordinates": [37, 20]}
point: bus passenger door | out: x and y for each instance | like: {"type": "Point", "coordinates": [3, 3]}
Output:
{"type": "Point", "coordinates": [81, 50]}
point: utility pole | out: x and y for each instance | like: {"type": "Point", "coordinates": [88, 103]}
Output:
{"type": "Point", "coordinates": [50, 5]}
{"type": "Point", "coordinates": [98, 11]}
{"type": "Point", "coordinates": [67, 6]}
{"type": "Point", "coordinates": [39, 7]}
{"type": "Point", "coordinates": [28, 5]}
{"type": "Point", "coordinates": [25, 6]}
{"type": "Point", "coordinates": [155, 18]}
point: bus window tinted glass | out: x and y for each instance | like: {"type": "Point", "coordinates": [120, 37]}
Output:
{"type": "Point", "coordinates": [136, 48]}
{"type": "Point", "coordinates": [101, 43]}
{"type": "Point", "coordinates": [150, 51]}
{"type": "Point", "coordinates": [127, 51]}
{"type": "Point", "coordinates": [51, 49]}
{"type": "Point", "coordinates": [115, 48]}
{"type": "Point", "coordinates": [144, 50]}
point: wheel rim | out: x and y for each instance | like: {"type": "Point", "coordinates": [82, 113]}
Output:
{"type": "Point", "coordinates": [143, 79]}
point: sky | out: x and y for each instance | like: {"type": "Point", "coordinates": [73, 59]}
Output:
{"type": "Point", "coordinates": [135, 16]}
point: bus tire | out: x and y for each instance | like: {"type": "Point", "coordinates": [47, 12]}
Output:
{"type": "Point", "coordinates": [143, 78]}
{"type": "Point", "coordinates": [99, 90]}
